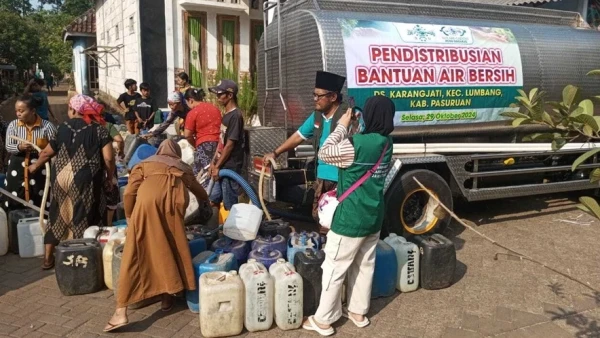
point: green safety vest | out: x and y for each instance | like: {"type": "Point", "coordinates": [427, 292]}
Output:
{"type": "Point", "coordinates": [361, 213]}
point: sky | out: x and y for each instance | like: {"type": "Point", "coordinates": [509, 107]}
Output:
{"type": "Point", "coordinates": [35, 3]}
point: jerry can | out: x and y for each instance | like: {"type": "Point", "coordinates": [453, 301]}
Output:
{"type": "Point", "coordinates": [288, 295]}
{"type": "Point", "coordinates": [275, 227]}
{"type": "Point", "coordinates": [265, 256]}
{"type": "Point", "coordinates": [101, 234]}
{"type": "Point", "coordinates": [107, 261]}
{"type": "Point", "coordinates": [276, 242]}
{"type": "Point", "coordinates": [116, 266]}
{"type": "Point", "coordinates": [13, 219]}
{"type": "Point", "coordinates": [308, 265]}
{"type": "Point", "coordinates": [438, 261]}
{"type": "Point", "coordinates": [238, 248]}
{"type": "Point", "coordinates": [31, 238]}
{"type": "Point", "coordinates": [299, 243]}
{"type": "Point", "coordinates": [260, 290]}
{"type": "Point", "coordinates": [196, 231]}
{"type": "Point", "coordinates": [221, 304]}
{"type": "Point", "coordinates": [197, 245]}
{"type": "Point", "coordinates": [208, 261]}
{"type": "Point", "coordinates": [79, 267]}
{"type": "Point", "coordinates": [408, 257]}
{"type": "Point", "coordinates": [386, 271]}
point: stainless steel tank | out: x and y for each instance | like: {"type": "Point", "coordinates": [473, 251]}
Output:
{"type": "Point", "coordinates": [555, 50]}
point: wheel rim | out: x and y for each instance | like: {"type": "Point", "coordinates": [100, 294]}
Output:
{"type": "Point", "coordinates": [417, 212]}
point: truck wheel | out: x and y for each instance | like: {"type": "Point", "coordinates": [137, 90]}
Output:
{"type": "Point", "coordinates": [410, 210]}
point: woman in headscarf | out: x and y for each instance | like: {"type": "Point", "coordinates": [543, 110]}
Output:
{"type": "Point", "coordinates": [358, 218]}
{"type": "Point", "coordinates": [84, 156]}
{"type": "Point", "coordinates": [156, 258]}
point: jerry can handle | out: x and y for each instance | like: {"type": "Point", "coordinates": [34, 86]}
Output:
{"type": "Point", "coordinates": [75, 242]}
{"type": "Point", "coordinates": [214, 256]}
{"type": "Point", "coordinates": [309, 253]}
{"type": "Point", "coordinates": [118, 248]}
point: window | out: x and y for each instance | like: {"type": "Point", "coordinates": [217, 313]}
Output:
{"type": "Point", "coordinates": [93, 74]}
{"type": "Point", "coordinates": [108, 35]}
{"type": "Point", "coordinates": [255, 4]}
{"type": "Point", "coordinates": [131, 25]}
{"type": "Point", "coordinates": [117, 32]}
{"type": "Point", "coordinates": [195, 46]}
{"type": "Point", "coordinates": [228, 48]}
{"type": "Point", "coordinates": [256, 32]}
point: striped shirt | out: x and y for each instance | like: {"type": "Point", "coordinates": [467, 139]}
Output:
{"type": "Point", "coordinates": [337, 150]}
{"type": "Point", "coordinates": [40, 134]}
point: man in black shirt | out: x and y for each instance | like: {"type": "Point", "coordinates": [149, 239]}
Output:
{"type": "Point", "coordinates": [127, 101]}
{"type": "Point", "coordinates": [145, 108]}
{"type": "Point", "coordinates": [230, 152]}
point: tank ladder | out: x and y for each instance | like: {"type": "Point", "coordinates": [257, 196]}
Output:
{"type": "Point", "coordinates": [267, 6]}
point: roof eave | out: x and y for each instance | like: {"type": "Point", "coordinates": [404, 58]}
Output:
{"type": "Point", "coordinates": [71, 35]}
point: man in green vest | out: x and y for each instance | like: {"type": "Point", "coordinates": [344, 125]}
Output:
{"type": "Point", "coordinates": [318, 126]}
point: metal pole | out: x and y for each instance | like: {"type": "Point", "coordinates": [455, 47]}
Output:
{"type": "Point", "coordinates": [285, 118]}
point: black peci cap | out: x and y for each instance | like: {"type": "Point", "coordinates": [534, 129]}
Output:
{"type": "Point", "coordinates": [329, 81]}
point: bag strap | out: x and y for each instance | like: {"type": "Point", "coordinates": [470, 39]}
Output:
{"type": "Point", "coordinates": [365, 177]}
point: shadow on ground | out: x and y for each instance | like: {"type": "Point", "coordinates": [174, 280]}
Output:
{"type": "Point", "coordinates": [586, 327]}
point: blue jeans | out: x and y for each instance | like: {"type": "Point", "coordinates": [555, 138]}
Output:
{"type": "Point", "coordinates": [227, 191]}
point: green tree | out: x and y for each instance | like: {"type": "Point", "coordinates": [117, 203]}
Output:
{"type": "Point", "coordinates": [571, 119]}
{"type": "Point", "coordinates": [70, 7]}
{"type": "Point", "coordinates": [50, 28]}
{"type": "Point", "coordinates": [21, 7]}
{"type": "Point", "coordinates": [19, 41]}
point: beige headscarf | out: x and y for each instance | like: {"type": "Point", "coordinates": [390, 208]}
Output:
{"type": "Point", "coordinates": [169, 153]}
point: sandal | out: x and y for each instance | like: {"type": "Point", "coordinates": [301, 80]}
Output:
{"type": "Point", "coordinates": [169, 307]}
{"type": "Point", "coordinates": [358, 324]}
{"type": "Point", "coordinates": [111, 327]}
{"type": "Point", "coordinates": [48, 266]}
{"type": "Point", "coordinates": [314, 327]}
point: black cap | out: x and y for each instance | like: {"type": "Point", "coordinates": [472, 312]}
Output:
{"type": "Point", "coordinates": [225, 86]}
{"type": "Point", "coordinates": [329, 81]}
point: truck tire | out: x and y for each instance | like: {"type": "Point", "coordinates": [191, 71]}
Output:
{"type": "Point", "coordinates": [410, 210]}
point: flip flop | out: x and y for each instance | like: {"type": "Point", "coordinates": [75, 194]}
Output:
{"type": "Point", "coordinates": [113, 327]}
{"type": "Point", "coordinates": [358, 324]}
{"type": "Point", "coordinates": [48, 266]}
{"type": "Point", "coordinates": [314, 327]}
{"type": "Point", "coordinates": [167, 309]}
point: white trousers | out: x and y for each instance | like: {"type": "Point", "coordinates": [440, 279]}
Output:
{"type": "Point", "coordinates": [356, 256]}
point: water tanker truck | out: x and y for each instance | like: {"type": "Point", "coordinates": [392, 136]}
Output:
{"type": "Point", "coordinates": [451, 69]}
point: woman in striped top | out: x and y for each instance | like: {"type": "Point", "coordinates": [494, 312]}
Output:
{"type": "Point", "coordinates": [31, 127]}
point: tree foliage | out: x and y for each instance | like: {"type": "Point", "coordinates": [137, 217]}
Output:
{"type": "Point", "coordinates": [29, 36]}
{"type": "Point", "coordinates": [58, 59]}
{"type": "Point", "coordinates": [568, 120]}
{"type": "Point", "coordinates": [19, 41]}
{"type": "Point", "coordinates": [70, 7]}
{"type": "Point", "coordinates": [20, 7]}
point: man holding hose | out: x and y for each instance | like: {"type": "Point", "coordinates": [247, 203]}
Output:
{"type": "Point", "coordinates": [230, 149]}
{"type": "Point", "coordinates": [328, 98]}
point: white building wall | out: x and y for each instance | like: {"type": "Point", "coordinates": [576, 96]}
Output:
{"type": "Point", "coordinates": [126, 62]}
{"type": "Point", "coordinates": [177, 26]}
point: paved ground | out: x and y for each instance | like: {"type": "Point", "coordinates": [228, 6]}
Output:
{"type": "Point", "coordinates": [500, 298]}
